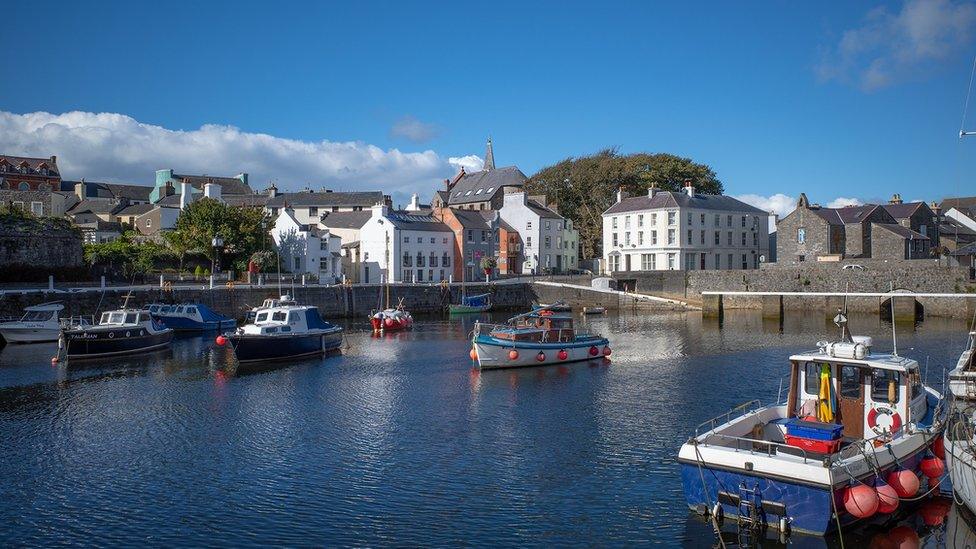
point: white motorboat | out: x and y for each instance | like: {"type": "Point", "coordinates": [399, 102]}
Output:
{"type": "Point", "coordinates": [960, 447]}
{"type": "Point", "coordinates": [281, 331]}
{"type": "Point", "coordinates": [39, 324]}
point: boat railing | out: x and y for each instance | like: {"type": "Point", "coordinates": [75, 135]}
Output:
{"type": "Point", "coordinates": [755, 446]}
{"type": "Point", "coordinates": [80, 320]}
{"type": "Point", "coordinates": [714, 422]}
{"type": "Point", "coordinates": [562, 335]}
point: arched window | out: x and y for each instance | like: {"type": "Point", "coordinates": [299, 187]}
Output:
{"type": "Point", "coordinates": [23, 186]}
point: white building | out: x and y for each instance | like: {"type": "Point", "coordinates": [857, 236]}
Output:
{"type": "Point", "coordinates": [550, 243]}
{"type": "Point", "coordinates": [310, 206]}
{"type": "Point", "coordinates": [405, 247]}
{"type": "Point", "coordinates": [683, 231]}
{"type": "Point", "coordinates": [307, 250]}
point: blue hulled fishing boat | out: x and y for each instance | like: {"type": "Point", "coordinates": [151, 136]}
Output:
{"type": "Point", "coordinates": [191, 317]}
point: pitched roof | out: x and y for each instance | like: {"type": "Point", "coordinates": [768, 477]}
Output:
{"type": "Point", "coordinates": [951, 227]}
{"type": "Point", "coordinates": [255, 200]}
{"type": "Point", "coordinates": [412, 222]}
{"type": "Point", "coordinates": [542, 211]}
{"type": "Point", "coordinates": [959, 202]}
{"type": "Point", "coordinates": [902, 211]}
{"type": "Point", "coordinates": [481, 186]}
{"type": "Point", "coordinates": [33, 164]}
{"type": "Point", "coordinates": [345, 220]}
{"type": "Point", "coordinates": [95, 207]}
{"type": "Point", "coordinates": [668, 199]}
{"type": "Point", "coordinates": [171, 200]}
{"type": "Point", "coordinates": [326, 199]}
{"type": "Point", "coordinates": [471, 219]}
{"type": "Point", "coordinates": [135, 209]}
{"type": "Point", "coordinates": [100, 225]}
{"type": "Point", "coordinates": [969, 249]}
{"type": "Point", "coordinates": [901, 231]}
{"type": "Point", "coordinates": [848, 214]}
{"type": "Point", "coordinates": [228, 185]}
{"type": "Point", "coordinates": [95, 189]}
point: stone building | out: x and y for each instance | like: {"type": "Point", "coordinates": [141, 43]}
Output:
{"type": "Point", "coordinates": [21, 173]}
{"type": "Point", "coordinates": [481, 190]}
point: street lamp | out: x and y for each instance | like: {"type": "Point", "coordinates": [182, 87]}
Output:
{"type": "Point", "coordinates": [218, 244]}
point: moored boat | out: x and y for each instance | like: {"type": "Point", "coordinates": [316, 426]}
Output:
{"type": "Point", "coordinates": [594, 310]}
{"type": "Point", "coordinates": [848, 443]}
{"type": "Point", "coordinates": [471, 304]}
{"type": "Point", "coordinates": [120, 332]}
{"type": "Point", "coordinates": [959, 444]}
{"type": "Point", "coordinates": [536, 338]}
{"type": "Point", "coordinates": [285, 330]}
{"type": "Point", "coordinates": [191, 317]}
{"type": "Point", "coordinates": [39, 324]}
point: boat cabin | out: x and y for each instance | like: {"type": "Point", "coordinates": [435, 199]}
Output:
{"type": "Point", "coordinates": [285, 320]}
{"type": "Point", "coordinates": [543, 327]}
{"type": "Point", "coordinates": [41, 313]}
{"type": "Point", "coordinates": [845, 384]}
{"type": "Point", "coordinates": [124, 317]}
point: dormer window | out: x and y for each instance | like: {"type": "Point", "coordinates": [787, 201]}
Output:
{"type": "Point", "coordinates": [457, 194]}
{"type": "Point", "coordinates": [478, 191]}
{"type": "Point", "coordinates": [467, 193]}
{"type": "Point", "coordinates": [489, 190]}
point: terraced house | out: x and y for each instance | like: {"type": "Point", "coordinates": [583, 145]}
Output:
{"type": "Point", "coordinates": [683, 231]}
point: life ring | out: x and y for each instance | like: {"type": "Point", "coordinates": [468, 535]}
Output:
{"type": "Point", "coordinates": [230, 284]}
{"type": "Point", "coordinates": [890, 420]}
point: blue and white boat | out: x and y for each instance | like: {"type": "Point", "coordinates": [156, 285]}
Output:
{"type": "Point", "coordinates": [284, 330]}
{"type": "Point", "coordinates": [536, 338]}
{"type": "Point", "coordinates": [191, 317]}
{"type": "Point", "coordinates": [848, 444]}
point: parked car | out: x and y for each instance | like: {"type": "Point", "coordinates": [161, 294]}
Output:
{"type": "Point", "coordinates": [853, 267]}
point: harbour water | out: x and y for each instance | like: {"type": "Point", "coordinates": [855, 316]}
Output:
{"type": "Point", "coordinates": [399, 440]}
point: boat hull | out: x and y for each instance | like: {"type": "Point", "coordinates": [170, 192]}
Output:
{"type": "Point", "coordinates": [962, 472]}
{"type": "Point", "coordinates": [253, 348]}
{"type": "Point", "coordinates": [120, 341]}
{"type": "Point", "coordinates": [494, 353]}
{"type": "Point", "coordinates": [389, 324]}
{"type": "Point", "coordinates": [467, 309]}
{"type": "Point", "coordinates": [182, 324]}
{"type": "Point", "coordinates": [17, 334]}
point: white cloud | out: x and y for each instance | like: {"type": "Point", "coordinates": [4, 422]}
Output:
{"type": "Point", "coordinates": [778, 203]}
{"type": "Point", "coordinates": [470, 163]}
{"type": "Point", "coordinates": [116, 147]}
{"type": "Point", "coordinates": [842, 201]}
{"type": "Point", "coordinates": [890, 47]}
{"type": "Point", "coordinates": [414, 130]}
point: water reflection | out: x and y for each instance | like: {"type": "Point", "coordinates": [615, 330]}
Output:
{"type": "Point", "coordinates": [400, 438]}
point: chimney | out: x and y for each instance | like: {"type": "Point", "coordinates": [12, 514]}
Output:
{"type": "Point", "coordinates": [447, 184]}
{"type": "Point", "coordinates": [168, 189]}
{"type": "Point", "coordinates": [895, 199]}
{"type": "Point", "coordinates": [414, 203]}
{"type": "Point", "coordinates": [272, 190]}
{"type": "Point", "coordinates": [621, 194]}
{"type": "Point", "coordinates": [689, 188]}
{"type": "Point", "coordinates": [212, 190]}
{"type": "Point", "coordinates": [185, 197]}
{"type": "Point", "coordinates": [80, 189]}
{"type": "Point", "coordinates": [54, 159]}
{"type": "Point", "coordinates": [651, 191]}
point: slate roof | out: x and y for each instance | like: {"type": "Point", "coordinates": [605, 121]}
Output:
{"type": "Point", "coordinates": [409, 221]}
{"type": "Point", "coordinates": [99, 225]}
{"type": "Point", "coordinates": [326, 199]}
{"type": "Point", "coordinates": [668, 199]}
{"type": "Point", "coordinates": [542, 211]}
{"type": "Point", "coordinates": [171, 200]}
{"type": "Point", "coordinates": [901, 231]}
{"type": "Point", "coordinates": [481, 186]}
{"type": "Point", "coordinates": [471, 219]}
{"type": "Point", "coordinates": [968, 202]}
{"type": "Point", "coordinates": [951, 227]}
{"type": "Point", "coordinates": [255, 200]}
{"type": "Point", "coordinates": [965, 250]}
{"type": "Point", "coordinates": [345, 220]}
{"type": "Point", "coordinates": [135, 209]}
{"type": "Point", "coordinates": [228, 185]}
{"type": "Point", "coordinates": [902, 211]}
{"type": "Point", "coordinates": [33, 163]}
{"type": "Point", "coordinates": [94, 206]}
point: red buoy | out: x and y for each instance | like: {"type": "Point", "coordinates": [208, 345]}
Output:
{"type": "Point", "coordinates": [221, 340]}
{"type": "Point", "coordinates": [606, 351]}
{"type": "Point", "coordinates": [594, 351]}
{"type": "Point", "coordinates": [473, 354]}
{"type": "Point", "coordinates": [904, 482]}
{"type": "Point", "coordinates": [904, 537]}
{"type": "Point", "coordinates": [932, 467]}
{"type": "Point", "coordinates": [861, 500]}
{"type": "Point", "coordinates": [563, 355]}
{"type": "Point", "coordinates": [887, 498]}
{"type": "Point", "coordinates": [541, 356]}
{"type": "Point", "coordinates": [513, 355]}
{"type": "Point", "coordinates": [388, 322]}
{"type": "Point", "coordinates": [938, 447]}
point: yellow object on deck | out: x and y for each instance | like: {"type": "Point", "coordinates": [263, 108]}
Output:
{"type": "Point", "coordinates": [825, 411]}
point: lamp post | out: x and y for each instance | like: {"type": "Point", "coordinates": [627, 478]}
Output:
{"type": "Point", "coordinates": [218, 244]}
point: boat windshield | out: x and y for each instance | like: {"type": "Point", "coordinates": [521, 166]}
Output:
{"type": "Point", "coordinates": [278, 315]}
{"type": "Point", "coordinates": [114, 317]}
{"type": "Point", "coordinates": [261, 317]}
{"type": "Point", "coordinates": [131, 318]}
{"type": "Point", "coordinates": [38, 316]}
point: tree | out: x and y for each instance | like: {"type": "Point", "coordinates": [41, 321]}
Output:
{"type": "Point", "coordinates": [582, 188]}
{"type": "Point", "coordinates": [240, 228]}
{"type": "Point", "coordinates": [127, 255]}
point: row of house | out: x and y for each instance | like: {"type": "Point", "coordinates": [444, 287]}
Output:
{"type": "Point", "coordinates": [331, 235]}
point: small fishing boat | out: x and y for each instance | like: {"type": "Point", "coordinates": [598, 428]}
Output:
{"type": "Point", "coordinates": [471, 304]}
{"type": "Point", "coordinates": [594, 310]}
{"type": "Point", "coordinates": [959, 444]}
{"type": "Point", "coordinates": [39, 324]}
{"type": "Point", "coordinates": [284, 330]}
{"type": "Point", "coordinates": [268, 303]}
{"type": "Point", "coordinates": [391, 319]}
{"type": "Point", "coordinates": [557, 307]}
{"type": "Point", "coordinates": [848, 444]}
{"type": "Point", "coordinates": [191, 317]}
{"type": "Point", "coordinates": [120, 332]}
{"type": "Point", "coordinates": [539, 337]}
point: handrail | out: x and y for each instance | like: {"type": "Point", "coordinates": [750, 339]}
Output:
{"type": "Point", "coordinates": [752, 450]}
{"type": "Point", "coordinates": [726, 415]}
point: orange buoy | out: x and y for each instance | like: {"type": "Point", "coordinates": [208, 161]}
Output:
{"type": "Point", "coordinates": [541, 356]}
{"type": "Point", "coordinates": [221, 340]}
{"type": "Point", "coordinates": [563, 355]}
{"type": "Point", "coordinates": [606, 351]}
{"type": "Point", "coordinates": [938, 447]}
{"type": "Point", "coordinates": [904, 482]}
{"type": "Point", "coordinates": [861, 500]}
{"type": "Point", "coordinates": [473, 354]}
{"type": "Point", "coordinates": [887, 498]}
{"type": "Point", "coordinates": [513, 355]}
{"type": "Point", "coordinates": [932, 467]}
{"type": "Point", "coordinates": [594, 351]}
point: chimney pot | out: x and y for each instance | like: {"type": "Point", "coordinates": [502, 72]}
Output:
{"type": "Point", "coordinates": [689, 188]}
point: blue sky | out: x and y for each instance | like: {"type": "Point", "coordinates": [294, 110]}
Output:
{"type": "Point", "coordinates": [853, 99]}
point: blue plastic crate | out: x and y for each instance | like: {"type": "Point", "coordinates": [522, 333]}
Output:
{"type": "Point", "coordinates": [814, 429]}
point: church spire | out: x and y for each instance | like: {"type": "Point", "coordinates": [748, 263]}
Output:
{"type": "Point", "coordinates": [489, 157]}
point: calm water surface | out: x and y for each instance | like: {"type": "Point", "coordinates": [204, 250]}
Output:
{"type": "Point", "coordinates": [397, 441]}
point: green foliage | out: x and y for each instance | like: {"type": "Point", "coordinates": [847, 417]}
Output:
{"type": "Point", "coordinates": [240, 229]}
{"type": "Point", "coordinates": [584, 187]}
{"type": "Point", "coordinates": [488, 262]}
{"type": "Point", "coordinates": [198, 271]}
{"type": "Point", "coordinates": [127, 255]}
{"type": "Point", "coordinates": [264, 259]}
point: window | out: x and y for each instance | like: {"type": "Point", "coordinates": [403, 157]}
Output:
{"type": "Point", "coordinates": [730, 262]}
{"type": "Point", "coordinates": [672, 218]}
{"type": "Point", "coordinates": [549, 223]}
{"type": "Point", "coordinates": [278, 316]}
{"type": "Point", "coordinates": [718, 220]}
{"type": "Point", "coordinates": [420, 272]}
{"type": "Point", "coordinates": [148, 222]}
{"type": "Point", "coordinates": [745, 262]}
{"type": "Point", "coordinates": [298, 263]}
{"type": "Point", "coordinates": [691, 237]}
{"type": "Point", "coordinates": [433, 240]}
{"type": "Point", "coordinates": [671, 262]}
{"type": "Point", "coordinates": [23, 186]}
{"type": "Point", "coordinates": [653, 219]}
{"type": "Point", "coordinates": [528, 240]}
{"type": "Point", "coordinates": [446, 260]}
{"type": "Point", "coordinates": [528, 224]}
{"type": "Point", "coordinates": [743, 222]}
{"type": "Point", "coordinates": [703, 238]}
{"type": "Point", "coordinates": [626, 222]}
{"type": "Point", "coordinates": [313, 210]}
{"type": "Point", "coordinates": [131, 318]}
{"type": "Point", "coordinates": [261, 317]}
{"type": "Point", "coordinates": [489, 190]}
{"type": "Point", "coordinates": [470, 235]}
{"type": "Point", "coordinates": [407, 275]}
{"type": "Point", "coordinates": [640, 238]}
{"type": "Point", "coordinates": [812, 379]}
{"type": "Point", "coordinates": [689, 220]}
{"type": "Point", "coordinates": [647, 262]}
{"type": "Point", "coordinates": [801, 258]}
{"type": "Point", "coordinates": [718, 261]}
{"type": "Point", "coordinates": [654, 238]}
{"type": "Point", "coordinates": [743, 237]}
{"type": "Point", "coordinates": [549, 240]}
{"type": "Point", "coordinates": [433, 259]}
{"type": "Point", "coordinates": [640, 221]}
{"type": "Point", "coordinates": [442, 274]}
{"type": "Point", "coordinates": [420, 259]}
{"type": "Point", "coordinates": [614, 262]}
{"type": "Point", "coordinates": [484, 236]}
{"type": "Point", "coordinates": [924, 229]}
{"type": "Point", "coordinates": [729, 239]}
{"type": "Point", "coordinates": [850, 382]}
{"type": "Point", "coordinates": [406, 240]}
{"type": "Point", "coordinates": [445, 240]}
{"type": "Point", "coordinates": [478, 191]}
{"type": "Point", "coordinates": [801, 236]}
{"type": "Point", "coordinates": [671, 237]}
{"type": "Point", "coordinates": [729, 221]}
{"type": "Point", "coordinates": [703, 219]}
{"type": "Point", "coordinates": [407, 260]}
{"type": "Point", "coordinates": [718, 237]}
{"type": "Point", "coordinates": [430, 275]}
{"type": "Point", "coordinates": [689, 262]}
{"type": "Point", "coordinates": [37, 208]}
{"type": "Point", "coordinates": [613, 239]}
{"type": "Point", "coordinates": [884, 385]}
